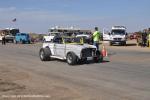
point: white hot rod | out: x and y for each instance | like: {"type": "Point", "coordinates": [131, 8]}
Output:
{"type": "Point", "coordinates": [71, 49]}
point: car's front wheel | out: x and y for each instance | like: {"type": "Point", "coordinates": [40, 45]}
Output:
{"type": "Point", "coordinates": [44, 54]}
{"type": "Point", "coordinates": [124, 44]}
{"type": "Point", "coordinates": [110, 43]}
{"type": "Point", "coordinates": [71, 58]}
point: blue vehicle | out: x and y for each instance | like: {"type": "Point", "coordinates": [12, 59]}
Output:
{"type": "Point", "coordinates": [22, 38]}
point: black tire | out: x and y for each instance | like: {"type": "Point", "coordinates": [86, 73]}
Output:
{"type": "Point", "coordinates": [83, 61]}
{"type": "Point", "coordinates": [71, 58]}
{"type": "Point", "coordinates": [110, 43]}
{"type": "Point", "coordinates": [148, 44]}
{"type": "Point", "coordinates": [99, 57]}
{"type": "Point", "coordinates": [16, 42]}
{"type": "Point", "coordinates": [45, 54]}
{"type": "Point", "coordinates": [124, 43]}
{"type": "Point", "coordinates": [29, 42]}
{"type": "Point", "coordinates": [22, 41]}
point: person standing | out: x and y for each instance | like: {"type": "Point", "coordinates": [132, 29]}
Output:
{"type": "Point", "coordinates": [96, 38]}
{"type": "Point", "coordinates": [4, 40]}
{"type": "Point", "coordinates": [144, 39]}
{"type": "Point", "coordinates": [148, 37]}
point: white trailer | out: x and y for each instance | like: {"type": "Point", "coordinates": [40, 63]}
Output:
{"type": "Point", "coordinates": [106, 35]}
{"type": "Point", "coordinates": [68, 31]}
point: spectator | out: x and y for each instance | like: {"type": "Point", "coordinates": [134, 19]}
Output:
{"type": "Point", "coordinates": [96, 38]}
{"type": "Point", "coordinates": [4, 40]}
{"type": "Point", "coordinates": [144, 39]}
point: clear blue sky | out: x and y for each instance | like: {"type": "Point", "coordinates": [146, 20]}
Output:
{"type": "Point", "coordinates": [39, 15]}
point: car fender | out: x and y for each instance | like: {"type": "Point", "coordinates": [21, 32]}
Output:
{"type": "Point", "coordinates": [75, 49]}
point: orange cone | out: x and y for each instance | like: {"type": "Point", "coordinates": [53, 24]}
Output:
{"type": "Point", "coordinates": [104, 51]}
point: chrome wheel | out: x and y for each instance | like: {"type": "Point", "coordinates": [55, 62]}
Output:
{"type": "Point", "coordinates": [42, 55]}
{"type": "Point", "coordinates": [69, 58]}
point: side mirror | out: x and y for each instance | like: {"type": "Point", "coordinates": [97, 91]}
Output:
{"type": "Point", "coordinates": [108, 33]}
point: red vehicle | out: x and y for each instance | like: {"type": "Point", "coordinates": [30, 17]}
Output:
{"type": "Point", "coordinates": [131, 37]}
{"type": "Point", "coordinates": [135, 36]}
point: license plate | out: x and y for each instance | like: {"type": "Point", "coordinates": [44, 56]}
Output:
{"type": "Point", "coordinates": [117, 42]}
{"type": "Point", "coordinates": [89, 58]}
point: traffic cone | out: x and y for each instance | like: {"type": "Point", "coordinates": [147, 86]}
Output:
{"type": "Point", "coordinates": [104, 51]}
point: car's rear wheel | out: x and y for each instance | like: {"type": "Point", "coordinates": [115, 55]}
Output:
{"type": "Point", "coordinates": [148, 44]}
{"type": "Point", "coordinates": [16, 41]}
{"type": "Point", "coordinates": [23, 42]}
{"type": "Point", "coordinates": [71, 58]}
{"type": "Point", "coordinates": [45, 54]}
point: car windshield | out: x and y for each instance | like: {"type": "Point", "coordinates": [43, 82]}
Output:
{"type": "Point", "coordinates": [118, 32]}
{"type": "Point", "coordinates": [74, 40]}
{"type": "Point", "coordinates": [23, 34]}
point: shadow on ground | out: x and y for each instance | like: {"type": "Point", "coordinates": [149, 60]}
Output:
{"type": "Point", "coordinates": [131, 44]}
{"type": "Point", "coordinates": [81, 63]}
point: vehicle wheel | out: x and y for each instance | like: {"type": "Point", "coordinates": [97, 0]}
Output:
{"type": "Point", "coordinates": [16, 41]}
{"type": "Point", "coordinates": [148, 44]}
{"type": "Point", "coordinates": [29, 42]}
{"type": "Point", "coordinates": [23, 42]}
{"type": "Point", "coordinates": [71, 58]}
{"type": "Point", "coordinates": [110, 43]}
{"type": "Point", "coordinates": [124, 43]}
{"type": "Point", "coordinates": [99, 57]}
{"type": "Point", "coordinates": [45, 54]}
{"type": "Point", "coordinates": [83, 61]}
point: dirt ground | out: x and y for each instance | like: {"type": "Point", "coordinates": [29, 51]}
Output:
{"type": "Point", "coordinates": [24, 77]}
{"type": "Point", "coordinates": [28, 86]}
{"type": "Point", "coordinates": [17, 83]}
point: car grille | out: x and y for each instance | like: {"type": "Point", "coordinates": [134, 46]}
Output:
{"type": "Point", "coordinates": [117, 39]}
{"type": "Point", "coordinates": [88, 52]}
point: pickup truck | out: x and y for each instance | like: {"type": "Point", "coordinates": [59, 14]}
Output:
{"type": "Point", "coordinates": [22, 38]}
{"type": "Point", "coordinates": [10, 38]}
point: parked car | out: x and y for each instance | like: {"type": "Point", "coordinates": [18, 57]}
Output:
{"type": "Point", "coordinates": [10, 38]}
{"type": "Point", "coordinates": [71, 49]}
{"type": "Point", "coordinates": [22, 38]}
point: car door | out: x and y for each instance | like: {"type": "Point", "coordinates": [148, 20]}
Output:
{"type": "Point", "coordinates": [59, 48]}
